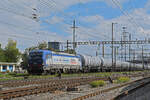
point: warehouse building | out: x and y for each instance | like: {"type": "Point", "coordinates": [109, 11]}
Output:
{"type": "Point", "coordinates": [4, 67]}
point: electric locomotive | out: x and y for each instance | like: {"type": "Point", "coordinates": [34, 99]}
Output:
{"type": "Point", "coordinates": [46, 61]}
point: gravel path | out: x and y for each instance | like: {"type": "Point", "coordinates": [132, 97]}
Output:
{"type": "Point", "coordinates": [84, 90]}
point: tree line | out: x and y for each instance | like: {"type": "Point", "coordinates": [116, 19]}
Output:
{"type": "Point", "coordinates": [10, 53]}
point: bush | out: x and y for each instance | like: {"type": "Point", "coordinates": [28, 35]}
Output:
{"type": "Point", "coordinates": [97, 83]}
{"type": "Point", "coordinates": [21, 74]}
{"type": "Point", "coordinates": [12, 74]}
{"type": "Point", "coordinates": [123, 79]}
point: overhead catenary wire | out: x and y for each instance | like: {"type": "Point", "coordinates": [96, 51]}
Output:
{"type": "Point", "coordinates": [92, 29]}
{"type": "Point", "coordinates": [13, 3]}
{"type": "Point", "coordinates": [22, 6]}
{"type": "Point", "coordinates": [18, 35]}
{"type": "Point", "coordinates": [22, 14]}
{"type": "Point", "coordinates": [16, 26]}
{"type": "Point", "coordinates": [11, 11]}
{"type": "Point", "coordinates": [117, 3]}
{"type": "Point", "coordinates": [53, 6]}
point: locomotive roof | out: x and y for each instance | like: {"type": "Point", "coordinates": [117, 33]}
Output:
{"type": "Point", "coordinates": [40, 51]}
{"type": "Point", "coordinates": [61, 53]}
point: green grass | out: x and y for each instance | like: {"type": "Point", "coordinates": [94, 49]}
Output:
{"type": "Point", "coordinates": [12, 78]}
{"type": "Point", "coordinates": [4, 75]}
{"type": "Point", "coordinates": [40, 76]}
{"type": "Point", "coordinates": [18, 76]}
{"type": "Point", "coordinates": [97, 83]}
{"type": "Point", "coordinates": [123, 79]}
{"type": "Point", "coordinates": [99, 74]}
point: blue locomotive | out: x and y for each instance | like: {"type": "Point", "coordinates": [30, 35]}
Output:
{"type": "Point", "coordinates": [46, 61]}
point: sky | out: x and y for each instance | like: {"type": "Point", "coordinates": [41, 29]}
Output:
{"type": "Point", "coordinates": [55, 17]}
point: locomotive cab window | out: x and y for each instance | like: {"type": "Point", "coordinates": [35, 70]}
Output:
{"type": "Point", "coordinates": [36, 57]}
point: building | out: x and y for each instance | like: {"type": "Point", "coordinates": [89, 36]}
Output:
{"type": "Point", "coordinates": [54, 46]}
{"type": "Point", "coordinates": [4, 67]}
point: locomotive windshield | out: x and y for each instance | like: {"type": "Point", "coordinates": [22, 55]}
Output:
{"type": "Point", "coordinates": [36, 57]}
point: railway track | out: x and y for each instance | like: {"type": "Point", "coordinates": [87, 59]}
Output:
{"type": "Point", "coordinates": [50, 80]}
{"type": "Point", "coordinates": [46, 81]}
{"type": "Point", "coordinates": [141, 84]}
{"type": "Point", "coordinates": [48, 86]}
{"type": "Point", "coordinates": [128, 92]}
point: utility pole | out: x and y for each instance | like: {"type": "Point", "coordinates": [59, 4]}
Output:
{"type": "Point", "coordinates": [98, 50]}
{"type": "Point", "coordinates": [74, 34]}
{"type": "Point", "coordinates": [67, 46]}
{"type": "Point", "coordinates": [129, 52]}
{"type": "Point", "coordinates": [134, 53]}
{"type": "Point", "coordinates": [121, 52]}
{"type": "Point", "coordinates": [115, 54]}
{"type": "Point", "coordinates": [113, 43]}
{"type": "Point", "coordinates": [103, 50]}
{"type": "Point", "coordinates": [142, 58]}
{"type": "Point", "coordinates": [96, 53]}
{"type": "Point", "coordinates": [124, 39]}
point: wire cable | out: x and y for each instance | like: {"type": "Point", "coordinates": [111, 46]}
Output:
{"type": "Point", "coordinates": [117, 3]}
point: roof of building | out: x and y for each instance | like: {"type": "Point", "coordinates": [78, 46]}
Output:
{"type": "Point", "coordinates": [6, 63]}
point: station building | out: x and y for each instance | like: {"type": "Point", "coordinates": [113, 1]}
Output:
{"type": "Point", "coordinates": [7, 67]}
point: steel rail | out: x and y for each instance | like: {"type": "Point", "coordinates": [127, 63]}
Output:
{"type": "Point", "coordinates": [127, 92]}
{"type": "Point", "coordinates": [33, 82]}
{"type": "Point", "coordinates": [18, 92]}
{"type": "Point", "coordinates": [110, 89]}
{"type": "Point", "coordinates": [52, 86]}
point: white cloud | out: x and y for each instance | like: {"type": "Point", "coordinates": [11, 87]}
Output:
{"type": "Point", "coordinates": [26, 28]}
{"type": "Point", "coordinates": [92, 19]}
{"type": "Point", "coordinates": [137, 25]}
{"type": "Point", "coordinates": [55, 20]}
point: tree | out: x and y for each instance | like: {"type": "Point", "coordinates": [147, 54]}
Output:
{"type": "Point", "coordinates": [31, 48]}
{"type": "Point", "coordinates": [2, 55]}
{"type": "Point", "coordinates": [42, 45]}
{"type": "Point", "coordinates": [11, 52]}
{"type": "Point", "coordinates": [25, 55]}
{"type": "Point", "coordinates": [70, 51]}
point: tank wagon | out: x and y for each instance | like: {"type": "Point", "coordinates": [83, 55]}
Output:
{"type": "Point", "coordinates": [90, 63]}
{"type": "Point", "coordinates": [46, 61]}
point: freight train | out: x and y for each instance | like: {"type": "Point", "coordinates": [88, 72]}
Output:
{"type": "Point", "coordinates": [46, 61]}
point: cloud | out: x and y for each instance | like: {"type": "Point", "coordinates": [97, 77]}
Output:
{"type": "Point", "coordinates": [18, 22]}
{"type": "Point", "coordinates": [92, 19]}
{"type": "Point", "coordinates": [55, 20]}
{"type": "Point", "coordinates": [137, 25]}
